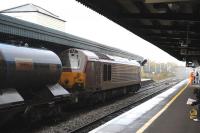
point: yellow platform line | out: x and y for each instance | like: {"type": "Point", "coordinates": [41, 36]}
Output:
{"type": "Point", "coordinates": [146, 125]}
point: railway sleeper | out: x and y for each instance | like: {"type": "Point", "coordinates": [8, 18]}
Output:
{"type": "Point", "coordinates": [34, 114]}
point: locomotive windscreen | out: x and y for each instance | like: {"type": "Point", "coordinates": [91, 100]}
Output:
{"type": "Point", "coordinates": [70, 60]}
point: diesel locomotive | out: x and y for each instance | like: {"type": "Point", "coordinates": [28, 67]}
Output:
{"type": "Point", "coordinates": [36, 79]}
{"type": "Point", "coordinates": [90, 71]}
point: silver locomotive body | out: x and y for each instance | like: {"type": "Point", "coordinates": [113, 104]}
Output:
{"type": "Point", "coordinates": [97, 71]}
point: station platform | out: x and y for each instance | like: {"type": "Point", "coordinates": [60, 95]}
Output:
{"type": "Point", "coordinates": [167, 112]}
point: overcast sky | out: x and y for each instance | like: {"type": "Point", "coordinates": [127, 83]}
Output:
{"type": "Point", "coordinates": [88, 24]}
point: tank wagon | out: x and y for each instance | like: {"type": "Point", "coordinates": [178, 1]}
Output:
{"type": "Point", "coordinates": [36, 80]}
{"type": "Point", "coordinates": [22, 67]}
{"type": "Point", "coordinates": [28, 79]}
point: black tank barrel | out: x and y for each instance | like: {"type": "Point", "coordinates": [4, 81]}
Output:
{"type": "Point", "coordinates": [28, 67]}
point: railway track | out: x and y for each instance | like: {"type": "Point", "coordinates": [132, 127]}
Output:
{"type": "Point", "coordinates": [143, 95]}
{"type": "Point", "coordinates": [156, 84]}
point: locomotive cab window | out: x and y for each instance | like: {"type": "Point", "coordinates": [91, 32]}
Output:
{"type": "Point", "coordinates": [74, 62]}
{"type": "Point", "coordinates": [107, 72]}
{"type": "Point", "coordinates": [65, 60]}
{"type": "Point", "coordinates": [70, 61]}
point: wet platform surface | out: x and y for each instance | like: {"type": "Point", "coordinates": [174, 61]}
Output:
{"type": "Point", "coordinates": [175, 119]}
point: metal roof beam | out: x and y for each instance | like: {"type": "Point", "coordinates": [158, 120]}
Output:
{"type": "Point", "coordinates": [177, 46]}
{"type": "Point", "coordinates": [161, 16]}
{"type": "Point", "coordinates": [164, 40]}
{"type": "Point", "coordinates": [166, 43]}
{"type": "Point", "coordinates": [173, 52]}
{"type": "Point", "coordinates": [168, 28]}
{"type": "Point", "coordinates": [167, 1]}
{"type": "Point", "coordinates": [144, 10]}
{"type": "Point", "coordinates": [170, 46]}
{"type": "Point", "coordinates": [190, 36]}
{"type": "Point", "coordinates": [168, 39]}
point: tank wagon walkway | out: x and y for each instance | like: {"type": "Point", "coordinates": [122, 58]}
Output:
{"type": "Point", "coordinates": [170, 115]}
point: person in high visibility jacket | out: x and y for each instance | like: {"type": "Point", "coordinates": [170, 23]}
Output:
{"type": "Point", "coordinates": [191, 78]}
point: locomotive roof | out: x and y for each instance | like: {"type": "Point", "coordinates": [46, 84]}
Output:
{"type": "Point", "coordinates": [107, 58]}
{"type": "Point", "coordinates": [89, 54]}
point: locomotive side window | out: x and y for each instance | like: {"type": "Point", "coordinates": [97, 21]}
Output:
{"type": "Point", "coordinates": [107, 72]}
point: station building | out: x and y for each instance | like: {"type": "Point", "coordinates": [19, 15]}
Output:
{"type": "Point", "coordinates": [37, 15]}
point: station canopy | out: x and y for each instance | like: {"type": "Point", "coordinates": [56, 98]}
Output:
{"type": "Point", "coordinates": [171, 25]}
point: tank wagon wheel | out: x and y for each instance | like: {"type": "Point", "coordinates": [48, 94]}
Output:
{"type": "Point", "coordinates": [33, 116]}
